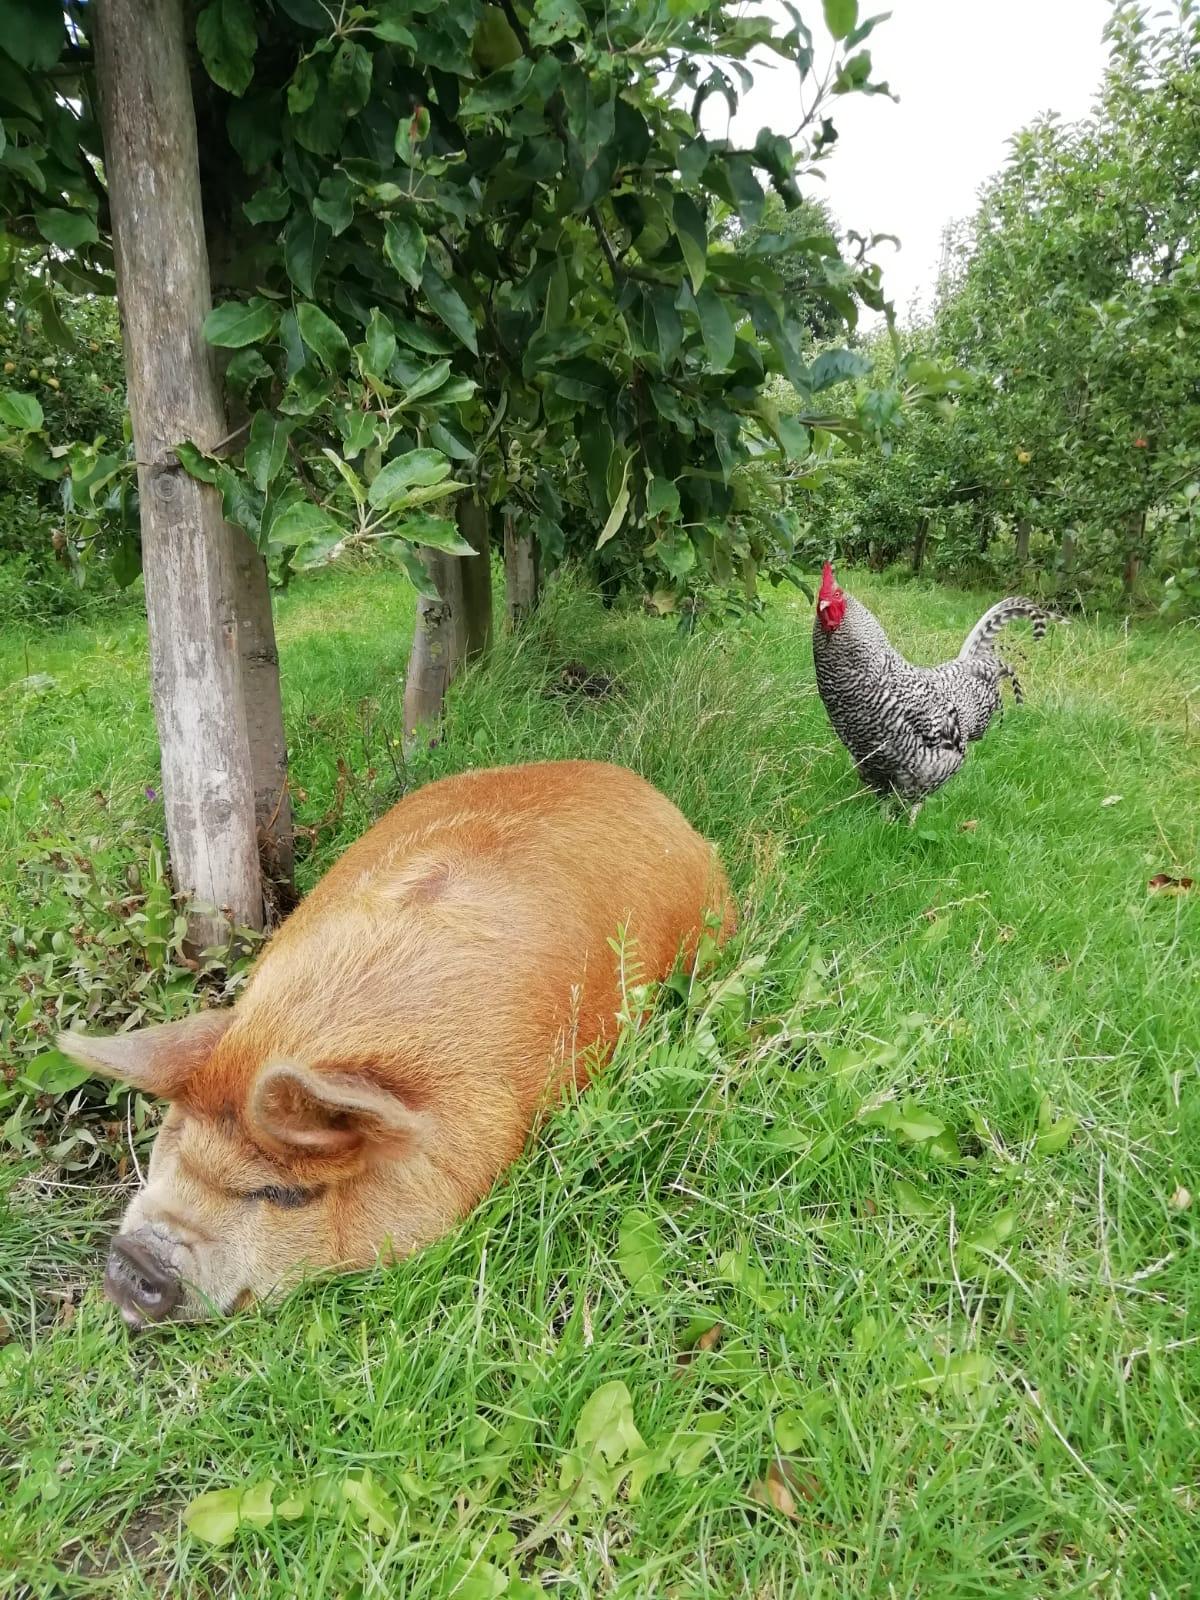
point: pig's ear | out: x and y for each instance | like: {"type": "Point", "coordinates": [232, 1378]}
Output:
{"type": "Point", "coordinates": [329, 1114]}
{"type": "Point", "coordinates": [159, 1059]}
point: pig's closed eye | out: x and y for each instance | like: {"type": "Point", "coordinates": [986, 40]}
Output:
{"type": "Point", "coordinates": [290, 1199]}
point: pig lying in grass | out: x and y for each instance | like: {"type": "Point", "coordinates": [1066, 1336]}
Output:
{"type": "Point", "coordinates": [401, 1031]}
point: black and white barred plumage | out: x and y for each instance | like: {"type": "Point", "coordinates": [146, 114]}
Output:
{"type": "Point", "coordinates": [907, 728]}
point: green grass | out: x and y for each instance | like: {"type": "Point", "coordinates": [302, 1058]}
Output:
{"type": "Point", "coordinates": [970, 1332]}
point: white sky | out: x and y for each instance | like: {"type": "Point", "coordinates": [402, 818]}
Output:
{"type": "Point", "coordinates": [969, 74]}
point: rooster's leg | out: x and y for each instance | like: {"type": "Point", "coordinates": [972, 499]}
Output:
{"type": "Point", "coordinates": [912, 814]}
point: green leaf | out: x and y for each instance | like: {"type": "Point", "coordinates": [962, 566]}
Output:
{"type": "Point", "coordinates": [910, 1202]}
{"type": "Point", "coordinates": [1053, 1135]}
{"type": "Point", "coordinates": [303, 87]}
{"type": "Point", "coordinates": [916, 1125]}
{"type": "Point", "coordinates": [240, 322]}
{"type": "Point", "coordinates": [410, 132]}
{"type": "Point", "coordinates": [794, 438]}
{"type": "Point", "coordinates": [351, 478]}
{"type": "Point", "coordinates": [305, 241]}
{"type": "Point", "coordinates": [662, 498]}
{"type": "Point", "coordinates": [241, 502]}
{"type": "Point", "coordinates": [417, 468]}
{"type": "Point", "coordinates": [426, 382]}
{"type": "Point", "coordinates": [216, 1516]}
{"type": "Point", "coordinates": [392, 31]}
{"type": "Point", "coordinates": [198, 465]}
{"type": "Point", "coordinates": [607, 1444]}
{"type": "Point", "coordinates": [429, 341]}
{"type": "Point", "coordinates": [840, 16]}
{"type": "Point", "coordinates": [350, 74]}
{"type": "Point", "coordinates": [500, 90]}
{"type": "Point", "coordinates": [431, 491]}
{"type": "Point", "coordinates": [449, 306]}
{"type": "Point", "coordinates": [494, 44]}
{"type": "Point", "coordinates": [716, 328]}
{"type": "Point", "coordinates": [439, 533]}
{"type": "Point", "coordinates": [52, 1072]}
{"type": "Point", "coordinates": [837, 366]}
{"type": "Point", "coordinates": [299, 523]}
{"type": "Point", "coordinates": [246, 369]}
{"type": "Point", "coordinates": [693, 237]}
{"type": "Point", "coordinates": [126, 562]}
{"type": "Point", "coordinates": [380, 346]}
{"type": "Point", "coordinates": [33, 32]}
{"type": "Point", "coordinates": [640, 1254]}
{"type": "Point", "coordinates": [322, 336]}
{"type": "Point", "coordinates": [269, 204]}
{"type": "Point", "coordinates": [620, 506]}
{"type": "Point", "coordinates": [266, 449]}
{"type": "Point", "coordinates": [334, 205]}
{"type": "Point", "coordinates": [676, 552]}
{"type": "Point", "coordinates": [227, 39]}
{"type": "Point", "coordinates": [67, 229]}
{"type": "Point", "coordinates": [960, 1375]}
{"type": "Point", "coordinates": [404, 246]}
{"type": "Point", "coordinates": [556, 20]}
{"type": "Point", "coordinates": [20, 411]}
{"type": "Point", "coordinates": [989, 1236]}
{"type": "Point", "coordinates": [369, 1503]}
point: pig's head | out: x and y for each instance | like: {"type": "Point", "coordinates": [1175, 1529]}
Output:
{"type": "Point", "coordinates": [258, 1172]}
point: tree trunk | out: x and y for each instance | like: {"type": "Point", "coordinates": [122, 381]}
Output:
{"type": "Point", "coordinates": [264, 727]}
{"type": "Point", "coordinates": [188, 556]}
{"type": "Point", "coordinates": [264, 704]}
{"type": "Point", "coordinates": [1022, 543]}
{"type": "Point", "coordinates": [1134, 546]}
{"type": "Point", "coordinates": [474, 524]}
{"type": "Point", "coordinates": [922, 539]}
{"type": "Point", "coordinates": [521, 574]}
{"type": "Point", "coordinates": [437, 647]}
{"type": "Point", "coordinates": [1067, 551]}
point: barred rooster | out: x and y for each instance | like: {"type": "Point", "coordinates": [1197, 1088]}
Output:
{"type": "Point", "coordinates": [907, 728]}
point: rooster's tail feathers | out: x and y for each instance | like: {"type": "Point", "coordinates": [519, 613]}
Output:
{"type": "Point", "coordinates": [999, 616]}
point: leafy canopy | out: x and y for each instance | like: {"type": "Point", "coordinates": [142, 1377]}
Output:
{"type": "Point", "coordinates": [497, 234]}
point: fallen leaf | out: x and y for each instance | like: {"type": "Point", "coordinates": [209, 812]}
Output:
{"type": "Point", "coordinates": [778, 1489]}
{"type": "Point", "coordinates": [910, 1202]}
{"type": "Point", "coordinates": [370, 1503]}
{"type": "Point", "coordinates": [640, 1254]}
{"type": "Point", "coordinates": [969, 826]}
{"type": "Point", "coordinates": [1163, 883]}
{"type": "Point", "coordinates": [216, 1516]}
{"type": "Point", "coordinates": [700, 1335]}
{"type": "Point", "coordinates": [607, 1443]}
{"type": "Point", "coordinates": [1181, 1199]}
{"type": "Point", "coordinates": [773, 1491]}
{"type": "Point", "coordinates": [1111, 800]}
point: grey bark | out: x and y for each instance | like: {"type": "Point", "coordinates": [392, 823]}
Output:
{"type": "Point", "coordinates": [521, 572]}
{"type": "Point", "coordinates": [261, 691]}
{"type": "Point", "coordinates": [264, 727]}
{"type": "Point", "coordinates": [149, 135]}
{"type": "Point", "coordinates": [437, 647]}
{"type": "Point", "coordinates": [1022, 543]}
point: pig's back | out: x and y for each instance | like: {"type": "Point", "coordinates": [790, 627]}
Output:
{"type": "Point", "coordinates": [472, 928]}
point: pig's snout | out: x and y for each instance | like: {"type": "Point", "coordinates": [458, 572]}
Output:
{"type": "Point", "coordinates": [142, 1286]}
